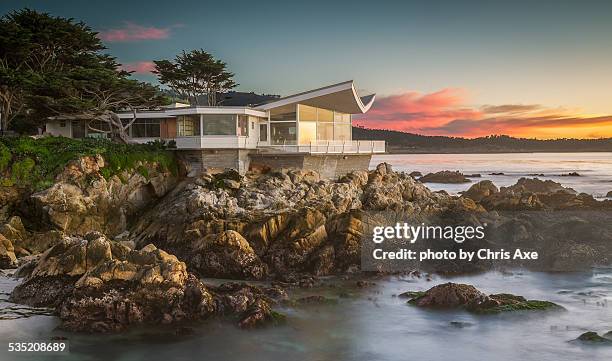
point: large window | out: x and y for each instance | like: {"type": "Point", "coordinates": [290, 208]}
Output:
{"type": "Point", "coordinates": [283, 114]}
{"type": "Point", "coordinates": [323, 124]}
{"type": "Point", "coordinates": [219, 124]}
{"type": "Point", "coordinates": [283, 133]}
{"type": "Point", "coordinates": [145, 128]}
{"type": "Point", "coordinates": [283, 125]}
{"type": "Point", "coordinates": [187, 125]}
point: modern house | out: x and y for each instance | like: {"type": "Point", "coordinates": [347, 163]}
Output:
{"type": "Point", "coordinates": [310, 130]}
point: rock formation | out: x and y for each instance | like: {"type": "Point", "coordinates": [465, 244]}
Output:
{"type": "Point", "coordinates": [454, 295]}
{"type": "Point", "coordinates": [82, 200]}
{"type": "Point", "coordinates": [444, 176]}
{"type": "Point", "coordinates": [99, 285]}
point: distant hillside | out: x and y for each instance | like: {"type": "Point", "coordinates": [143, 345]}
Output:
{"type": "Point", "coordinates": [400, 142]}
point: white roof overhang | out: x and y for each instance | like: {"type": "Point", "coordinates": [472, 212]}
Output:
{"type": "Point", "coordinates": [341, 97]}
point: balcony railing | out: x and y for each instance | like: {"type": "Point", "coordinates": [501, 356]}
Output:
{"type": "Point", "coordinates": [329, 147]}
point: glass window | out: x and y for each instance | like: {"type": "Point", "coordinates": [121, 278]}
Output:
{"type": "Point", "coordinates": [308, 132]}
{"type": "Point", "coordinates": [145, 128]}
{"type": "Point", "coordinates": [78, 129]}
{"type": "Point", "coordinates": [283, 115]}
{"type": "Point", "coordinates": [283, 133]}
{"type": "Point", "coordinates": [342, 131]}
{"type": "Point", "coordinates": [220, 124]}
{"type": "Point", "coordinates": [243, 125]}
{"type": "Point", "coordinates": [307, 113]}
{"type": "Point", "coordinates": [187, 125]}
{"type": "Point", "coordinates": [325, 115]}
{"type": "Point", "coordinates": [325, 131]}
{"type": "Point", "coordinates": [342, 117]}
{"type": "Point", "coordinates": [263, 132]}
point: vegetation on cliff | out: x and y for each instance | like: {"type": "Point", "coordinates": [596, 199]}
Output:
{"type": "Point", "coordinates": [31, 163]}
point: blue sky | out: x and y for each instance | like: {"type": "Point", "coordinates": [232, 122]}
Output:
{"type": "Point", "coordinates": [551, 53]}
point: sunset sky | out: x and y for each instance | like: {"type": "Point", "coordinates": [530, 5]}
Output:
{"type": "Point", "coordinates": [461, 68]}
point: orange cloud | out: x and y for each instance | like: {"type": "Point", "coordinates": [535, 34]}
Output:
{"type": "Point", "coordinates": [134, 32]}
{"type": "Point", "coordinates": [444, 113]}
{"type": "Point", "coordinates": [140, 67]}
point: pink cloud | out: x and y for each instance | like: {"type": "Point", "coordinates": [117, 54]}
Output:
{"type": "Point", "coordinates": [444, 113]}
{"type": "Point", "coordinates": [134, 32]}
{"type": "Point", "coordinates": [412, 111]}
{"type": "Point", "coordinates": [140, 67]}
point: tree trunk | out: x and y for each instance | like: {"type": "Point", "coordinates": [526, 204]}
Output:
{"type": "Point", "coordinates": [117, 131]}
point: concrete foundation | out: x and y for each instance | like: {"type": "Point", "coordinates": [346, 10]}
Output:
{"type": "Point", "coordinates": [328, 166]}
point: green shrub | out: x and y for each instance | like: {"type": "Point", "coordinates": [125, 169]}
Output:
{"type": "Point", "coordinates": [22, 171]}
{"type": "Point", "coordinates": [5, 157]}
{"type": "Point", "coordinates": [36, 162]}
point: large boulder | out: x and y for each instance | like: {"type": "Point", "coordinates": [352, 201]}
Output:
{"type": "Point", "coordinates": [98, 285]}
{"type": "Point", "coordinates": [7, 253]}
{"type": "Point", "coordinates": [444, 176]}
{"type": "Point", "coordinates": [228, 255]}
{"type": "Point", "coordinates": [456, 295]}
{"type": "Point", "coordinates": [480, 190]}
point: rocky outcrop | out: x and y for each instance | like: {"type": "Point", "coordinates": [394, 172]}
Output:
{"type": "Point", "coordinates": [480, 190]}
{"type": "Point", "coordinates": [98, 285]}
{"type": "Point", "coordinates": [282, 222]}
{"type": "Point", "coordinates": [454, 295]}
{"type": "Point", "coordinates": [10, 197]}
{"type": "Point", "coordinates": [7, 253]}
{"type": "Point", "coordinates": [591, 337]}
{"type": "Point", "coordinates": [83, 200]}
{"type": "Point", "coordinates": [532, 194]}
{"type": "Point", "coordinates": [609, 194]}
{"type": "Point", "coordinates": [444, 176]}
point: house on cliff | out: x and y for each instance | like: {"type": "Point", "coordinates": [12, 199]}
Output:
{"type": "Point", "coordinates": [311, 130]}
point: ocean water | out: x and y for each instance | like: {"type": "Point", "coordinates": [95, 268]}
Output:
{"type": "Point", "coordinates": [371, 324]}
{"type": "Point", "coordinates": [595, 169]}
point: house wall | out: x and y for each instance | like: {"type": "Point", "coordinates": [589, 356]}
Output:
{"type": "Point", "coordinates": [328, 166]}
{"type": "Point", "coordinates": [218, 159]}
{"type": "Point", "coordinates": [53, 127]}
{"type": "Point", "coordinates": [167, 128]}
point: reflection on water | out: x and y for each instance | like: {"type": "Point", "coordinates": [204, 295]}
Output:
{"type": "Point", "coordinates": [595, 168]}
{"type": "Point", "coordinates": [372, 324]}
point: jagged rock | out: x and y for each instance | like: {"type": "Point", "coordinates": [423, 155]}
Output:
{"type": "Point", "coordinates": [593, 338]}
{"type": "Point", "coordinates": [416, 174]}
{"type": "Point", "coordinates": [9, 199]}
{"type": "Point", "coordinates": [609, 194]}
{"type": "Point", "coordinates": [576, 257]}
{"type": "Point", "coordinates": [228, 255]}
{"type": "Point", "coordinates": [537, 186]}
{"type": "Point", "coordinates": [480, 190]}
{"type": "Point", "coordinates": [571, 174]}
{"type": "Point", "coordinates": [444, 176]}
{"type": "Point", "coordinates": [82, 200]}
{"type": "Point", "coordinates": [98, 285]}
{"type": "Point", "coordinates": [7, 253]}
{"type": "Point", "coordinates": [454, 295]}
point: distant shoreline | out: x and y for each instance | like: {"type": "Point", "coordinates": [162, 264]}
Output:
{"type": "Point", "coordinates": [427, 151]}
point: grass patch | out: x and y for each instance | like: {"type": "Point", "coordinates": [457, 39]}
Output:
{"type": "Point", "coordinates": [34, 163]}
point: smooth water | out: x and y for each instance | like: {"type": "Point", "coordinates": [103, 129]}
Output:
{"type": "Point", "coordinates": [370, 324]}
{"type": "Point", "coordinates": [595, 168]}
